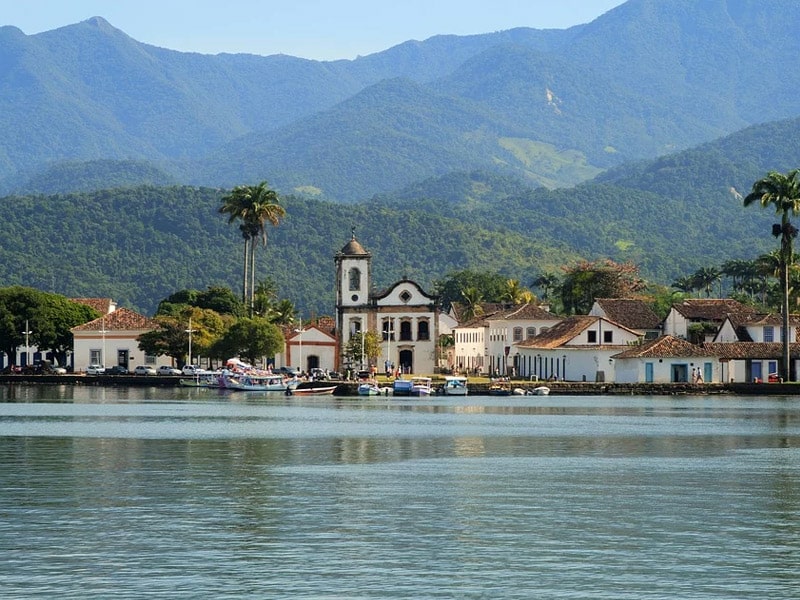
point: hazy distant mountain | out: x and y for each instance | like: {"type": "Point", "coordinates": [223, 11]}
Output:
{"type": "Point", "coordinates": [550, 107]}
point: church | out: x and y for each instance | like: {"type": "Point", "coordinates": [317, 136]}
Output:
{"type": "Point", "coordinates": [407, 317]}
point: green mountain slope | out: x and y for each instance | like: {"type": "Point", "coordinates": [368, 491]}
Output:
{"type": "Point", "coordinates": [552, 107]}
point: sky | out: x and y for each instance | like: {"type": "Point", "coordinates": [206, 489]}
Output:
{"type": "Point", "coordinates": [314, 29]}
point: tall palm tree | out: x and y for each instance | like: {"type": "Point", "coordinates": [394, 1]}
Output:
{"type": "Point", "coordinates": [254, 206]}
{"type": "Point", "coordinates": [705, 278]}
{"type": "Point", "coordinates": [512, 292]}
{"type": "Point", "coordinates": [783, 192]}
{"type": "Point", "coordinates": [472, 303]}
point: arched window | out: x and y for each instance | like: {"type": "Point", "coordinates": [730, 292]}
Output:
{"type": "Point", "coordinates": [405, 331]}
{"type": "Point", "coordinates": [423, 331]}
{"type": "Point", "coordinates": [531, 332]}
{"type": "Point", "coordinates": [517, 334]}
{"type": "Point", "coordinates": [355, 279]}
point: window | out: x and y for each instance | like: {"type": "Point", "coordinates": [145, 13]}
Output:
{"type": "Point", "coordinates": [355, 279]}
{"type": "Point", "coordinates": [591, 337]}
{"type": "Point", "coordinates": [517, 334]}
{"type": "Point", "coordinates": [769, 333]}
{"type": "Point", "coordinates": [388, 332]}
{"type": "Point", "coordinates": [405, 331]}
{"type": "Point", "coordinates": [531, 332]}
{"type": "Point", "coordinates": [608, 337]}
{"type": "Point", "coordinates": [423, 331]}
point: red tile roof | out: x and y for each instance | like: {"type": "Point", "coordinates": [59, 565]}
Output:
{"type": "Point", "coordinates": [630, 312]}
{"type": "Point", "coordinates": [122, 319]}
{"type": "Point", "coordinates": [710, 309]}
{"type": "Point", "coordinates": [665, 346]}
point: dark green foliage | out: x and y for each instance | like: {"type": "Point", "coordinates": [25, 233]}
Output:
{"type": "Point", "coordinates": [48, 317]}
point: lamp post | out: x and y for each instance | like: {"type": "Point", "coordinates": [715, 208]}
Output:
{"type": "Point", "coordinates": [190, 331]}
{"type": "Point", "coordinates": [26, 333]}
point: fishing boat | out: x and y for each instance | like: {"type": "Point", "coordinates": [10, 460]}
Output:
{"type": "Point", "coordinates": [455, 385]}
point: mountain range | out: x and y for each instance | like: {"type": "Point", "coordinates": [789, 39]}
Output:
{"type": "Point", "coordinates": [552, 107]}
{"type": "Point", "coordinates": [515, 152]}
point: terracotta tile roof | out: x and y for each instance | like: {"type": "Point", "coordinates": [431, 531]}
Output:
{"type": "Point", "coordinates": [122, 319]}
{"type": "Point", "coordinates": [710, 309]}
{"type": "Point", "coordinates": [101, 305]}
{"type": "Point", "coordinates": [497, 312]}
{"type": "Point", "coordinates": [754, 350]}
{"type": "Point", "coordinates": [630, 312]}
{"type": "Point", "coordinates": [665, 346]}
{"type": "Point", "coordinates": [560, 333]}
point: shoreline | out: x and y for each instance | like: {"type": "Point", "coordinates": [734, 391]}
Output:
{"type": "Point", "coordinates": [557, 388]}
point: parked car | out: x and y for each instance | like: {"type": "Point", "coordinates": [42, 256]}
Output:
{"type": "Point", "coordinates": [194, 370]}
{"type": "Point", "coordinates": [167, 370]}
{"type": "Point", "coordinates": [95, 369]}
{"type": "Point", "coordinates": [144, 370]}
{"type": "Point", "coordinates": [117, 370]}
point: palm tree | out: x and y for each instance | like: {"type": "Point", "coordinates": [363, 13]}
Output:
{"type": "Point", "coordinates": [254, 206]}
{"type": "Point", "coordinates": [512, 292]}
{"type": "Point", "coordinates": [783, 192]}
{"type": "Point", "coordinates": [685, 284]}
{"type": "Point", "coordinates": [472, 303]}
{"type": "Point", "coordinates": [705, 278]}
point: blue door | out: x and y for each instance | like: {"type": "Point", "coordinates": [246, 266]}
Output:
{"type": "Point", "coordinates": [755, 370]}
{"type": "Point", "coordinates": [648, 372]}
{"type": "Point", "coordinates": [708, 372]}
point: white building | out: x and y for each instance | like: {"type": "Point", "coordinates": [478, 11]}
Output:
{"type": "Point", "coordinates": [404, 315]}
{"type": "Point", "coordinates": [702, 312]}
{"type": "Point", "coordinates": [666, 359]}
{"type": "Point", "coordinates": [485, 343]}
{"type": "Point", "coordinates": [112, 339]}
{"type": "Point", "coordinates": [579, 348]}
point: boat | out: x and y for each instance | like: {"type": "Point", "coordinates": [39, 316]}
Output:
{"type": "Point", "coordinates": [312, 388]}
{"type": "Point", "coordinates": [455, 385]}
{"type": "Point", "coordinates": [500, 386]}
{"type": "Point", "coordinates": [542, 390]}
{"type": "Point", "coordinates": [256, 382]}
{"type": "Point", "coordinates": [421, 386]}
{"type": "Point", "coordinates": [371, 388]}
{"type": "Point", "coordinates": [200, 381]}
{"type": "Point", "coordinates": [402, 387]}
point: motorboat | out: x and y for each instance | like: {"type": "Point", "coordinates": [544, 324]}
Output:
{"type": "Point", "coordinates": [256, 382]}
{"type": "Point", "coordinates": [455, 385]}
{"type": "Point", "coordinates": [312, 388]}
{"type": "Point", "coordinates": [402, 387]}
{"type": "Point", "coordinates": [421, 386]}
{"type": "Point", "coordinates": [500, 386]}
{"type": "Point", "coordinates": [371, 388]}
{"type": "Point", "coordinates": [542, 390]}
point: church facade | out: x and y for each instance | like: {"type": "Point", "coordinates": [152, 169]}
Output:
{"type": "Point", "coordinates": [404, 315]}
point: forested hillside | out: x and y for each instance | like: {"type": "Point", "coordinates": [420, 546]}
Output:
{"type": "Point", "coordinates": [551, 108]}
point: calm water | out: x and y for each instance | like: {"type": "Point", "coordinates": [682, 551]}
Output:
{"type": "Point", "coordinates": [134, 493]}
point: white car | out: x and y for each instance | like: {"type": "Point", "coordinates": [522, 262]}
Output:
{"type": "Point", "coordinates": [144, 370]}
{"type": "Point", "coordinates": [95, 370]}
{"type": "Point", "coordinates": [194, 370]}
{"type": "Point", "coordinates": [167, 370]}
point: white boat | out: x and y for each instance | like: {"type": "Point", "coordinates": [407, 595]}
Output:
{"type": "Point", "coordinates": [455, 385]}
{"type": "Point", "coordinates": [421, 386]}
{"type": "Point", "coordinates": [253, 382]}
{"type": "Point", "coordinates": [542, 390]}
{"type": "Point", "coordinates": [371, 388]}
